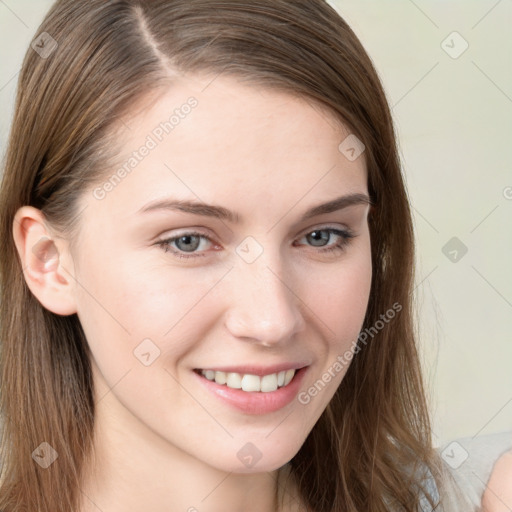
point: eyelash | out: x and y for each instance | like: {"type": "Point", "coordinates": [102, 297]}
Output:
{"type": "Point", "coordinates": [346, 236]}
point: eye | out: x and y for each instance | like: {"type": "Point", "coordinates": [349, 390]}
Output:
{"type": "Point", "coordinates": [186, 242]}
{"type": "Point", "coordinates": [190, 242]}
{"type": "Point", "coordinates": [320, 237]}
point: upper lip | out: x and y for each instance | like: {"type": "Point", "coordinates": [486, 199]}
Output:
{"type": "Point", "coordinates": [255, 369]}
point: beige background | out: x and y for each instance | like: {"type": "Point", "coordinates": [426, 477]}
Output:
{"type": "Point", "coordinates": [454, 121]}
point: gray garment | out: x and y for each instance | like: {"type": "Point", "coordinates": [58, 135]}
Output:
{"type": "Point", "coordinates": [470, 461]}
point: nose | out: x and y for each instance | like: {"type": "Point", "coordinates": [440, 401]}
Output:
{"type": "Point", "coordinates": [263, 306]}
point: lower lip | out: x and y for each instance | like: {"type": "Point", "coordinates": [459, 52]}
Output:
{"type": "Point", "coordinates": [255, 402]}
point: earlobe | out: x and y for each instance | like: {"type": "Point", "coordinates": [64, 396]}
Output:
{"type": "Point", "coordinates": [45, 261]}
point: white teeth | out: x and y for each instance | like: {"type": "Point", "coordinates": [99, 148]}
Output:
{"type": "Point", "coordinates": [220, 377]}
{"type": "Point", "coordinates": [234, 380]}
{"type": "Point", "coordinates": [288, 377]}
{"type": "Point", "coordinates": [269, 382]}
{"type": "Point", "coordinates": [251, 383]}
{"type": "Point", "coordinates": [210, 374]}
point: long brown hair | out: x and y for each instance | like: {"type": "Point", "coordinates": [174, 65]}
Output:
{"type": "Point", "coordinates": [371, 449]}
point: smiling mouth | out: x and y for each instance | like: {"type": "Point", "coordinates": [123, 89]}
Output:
{"type": "Point", "coordinates": [248, 382]}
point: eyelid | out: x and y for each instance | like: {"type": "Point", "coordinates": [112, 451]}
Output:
{"type": "Point", "coordinates": [320, 227]}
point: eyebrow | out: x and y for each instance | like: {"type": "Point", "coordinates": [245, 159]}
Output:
{"type": "Point", "coordinates": [219, 212]}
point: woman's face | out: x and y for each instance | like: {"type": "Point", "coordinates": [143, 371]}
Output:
{"type": "Point", "coordinates": [250, 284]}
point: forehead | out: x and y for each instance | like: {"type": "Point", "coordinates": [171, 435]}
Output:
{"type": "Point", "coordinates": [214, 140]}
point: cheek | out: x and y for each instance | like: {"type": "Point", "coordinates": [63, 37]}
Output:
{"type": "Point", "coordinates": [125, 300]}
{"type": "Point", "coordinates": [340, 301]}
{"type": "Point", "coordinates": [346, 301]}
{"type": "Point", "coordinates": [339, 295]}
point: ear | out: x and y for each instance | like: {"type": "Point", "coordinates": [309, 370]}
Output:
{"type": "Point", "coordinates": [47, 264]}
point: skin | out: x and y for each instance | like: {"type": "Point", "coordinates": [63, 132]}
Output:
{"type": "Point", "coordinates": [162, 441]}
{"type": "Point", "coordinates": [498, 494]}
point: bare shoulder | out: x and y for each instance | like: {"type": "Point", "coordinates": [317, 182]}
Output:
{"type": "Point", "coordinates": [498, 494]}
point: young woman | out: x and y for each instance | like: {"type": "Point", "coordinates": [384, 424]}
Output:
{"type": "Point", "coordinates": [207, 271]}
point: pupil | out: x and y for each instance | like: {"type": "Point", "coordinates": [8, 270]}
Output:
{"type": "Point", "coordinates": [186, 239]}
{"type": "Point", "coordinates": [319, 236]}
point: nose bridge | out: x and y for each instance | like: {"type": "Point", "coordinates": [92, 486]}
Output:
{"type": "Point", "coordinates": [262, 304]}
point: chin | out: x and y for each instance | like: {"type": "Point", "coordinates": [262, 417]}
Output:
{"type": "Point", "coordinates": [257, 457]}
